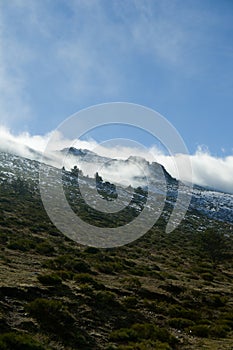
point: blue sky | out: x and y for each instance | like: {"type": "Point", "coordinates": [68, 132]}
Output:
{"type": "Point", "coordinates": [57, 57]}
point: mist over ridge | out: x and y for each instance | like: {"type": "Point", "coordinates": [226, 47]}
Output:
{"type": "Point", "coordinates": [208, 170]}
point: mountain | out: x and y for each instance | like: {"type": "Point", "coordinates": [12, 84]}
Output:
{"type": "Point", "coordinates": [162, 291]}
{"type": "Point", "coordinates": [78, 152]}
{"type": "Point", "coordinates": [83, 155]}
{"type": "Point", "coordinates": [213, 204]}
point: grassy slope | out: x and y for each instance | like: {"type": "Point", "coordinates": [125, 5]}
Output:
{"type": "Point", "coordinates": [58, 295]}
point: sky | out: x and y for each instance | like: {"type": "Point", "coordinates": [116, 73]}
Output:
{"type": "Point", "coordinates": [176, 57]}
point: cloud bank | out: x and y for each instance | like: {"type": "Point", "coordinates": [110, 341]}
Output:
{"type": "Point", "coordinates": [208, 170]}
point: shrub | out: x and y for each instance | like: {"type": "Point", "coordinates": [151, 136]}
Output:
{"type": "Point", "coordinates": [44, 248]}
{"type": "Point", "coordinates": [54, 317]}
{"type": "Point", "coordinates": [145, 345]}
{"type": "Point", "coordinates": [80, 266]}
{"type": "Point", "coordinates": [160, 307]}
{"type": "Point", "coordinates": [207, 276]}
{"type": "Point", "coordinates": [50, 280]}
{"type": "Point", "coordinates": [130, 302]}
{"type": "Point", "coordinates": [180, 323]}
{"type": "Point", "coordinates": [17, 341]}
{"type": "Point", "coordinates": [106, 299]}
{"type": "Point", "coordinates": [21, 244]}
{"type": "Point", "coordinates": [214, 244]}
{"type": "Point", "coordinates": [110, 267]}
{"type": "Point", "coordinates": [3, 238]}
{"type": "Point", "coordinates": [51, 314]}
{"type": "Point", "coordinates": [65, 275]}
{"type": "Point", "coordinates": [219, 331]}
{"type": "Point", "coordinates": [132, 283]}
{"type": "Point", "coordinates": [68, 262]}
{"type": "Point", "coordinates": [86, 289]}
{"type": "Point", "coordinates": [91, 250]}
{"type": "Point", "coordinates": [214, 300]}
{"type": "Point", "coordinates": [140, 332]}
{"type": "Point", "coordinates": [227, 319]}
{"type": "Point", "coordinates": [202, 331]}
{"type": "Point", "coordinates": [88, 279]}
{"type": "Point", "coordinates": [123, 335]}
{"type": "Point", "coordinates": [180, 312]}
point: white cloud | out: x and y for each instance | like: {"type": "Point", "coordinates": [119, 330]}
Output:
{"type": "Point", "coordinates": [208, 170]}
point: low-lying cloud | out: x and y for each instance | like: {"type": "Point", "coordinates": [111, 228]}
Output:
{"type": "Point", "coordinates": [208, 170]}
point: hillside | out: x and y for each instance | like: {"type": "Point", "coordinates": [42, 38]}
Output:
{"type": "Point", "coordinates": [164, 291]}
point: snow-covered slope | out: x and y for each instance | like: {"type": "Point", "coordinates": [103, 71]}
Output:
{"type": "Point", "coordinates": [213, 204]}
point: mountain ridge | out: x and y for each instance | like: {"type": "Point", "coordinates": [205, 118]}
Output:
{"type": "Point", "coordinates": [214, 204]}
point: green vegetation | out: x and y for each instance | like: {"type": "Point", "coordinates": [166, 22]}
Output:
{"type": "Point", "coordinates": [141, 332]}
{"type": "Point", "coordinates": [50, 279]}
{"type": "Point", "coordinates": [163, 292]}
{"type": "Point", "coordinates": [17, 341]}
{"type": "Point", "coordinates": [215, 245]}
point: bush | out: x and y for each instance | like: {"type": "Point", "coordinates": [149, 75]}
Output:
{"type": "Point", "coordinates": [45, 248]}
{"type": "Point", "coordinates": [227, 319]}
{"type": "Point", "coordinates": [180, 323]}
{"type": "Point", "coordinates": [219, 331]}
{"type": "Point", "coordinates": [91, 250]}
{"type": "Point", "coordinates": [17, 341]}
{"type": "Point", "coordinates": [132, 283]}
{"type": "Point", "coordinates": [65, 275]}
{"type": "Point", "coordinates": [86, 289]}
{"type": "Point", "coordinates": [21, 244]}
{"type": "Point", "coordinates": [202, 331]}
{"type": "Point", "coordinates": [215, 245]}
{"type": "Point", "coordinates": [51, 314]}
{"type": "Point", "coordinates": [110, 267]}
{"type": "Point", "coordinates": [207, 276]}
{"type": "Point", "coordinates": [180, 312]}
{"type": "Point", "coordinates": [106, 299]}
{"type": "Point", "coordinates": [54, 317]}
{"type": "Point", "coordinates": [145, 345]}
{"type": "Point", "coordinates": [3, 238]}
{"type": "Point", "coordinates": [68, 262]}
{"type": "Point", "coordinates": [215, 301]}
{"type": "Point", "coordinates": [85, 278]}
{"type": "Point", "coordinates": [130, 302]}
{"type": "Point", "coordinates": [50, 280]}
{"type": "Point", "coordinates": [80, 266]}
{"type": "Point", "coordinates": [159, 307]}
{"type": "Point", "coordinates": [139, 332]}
